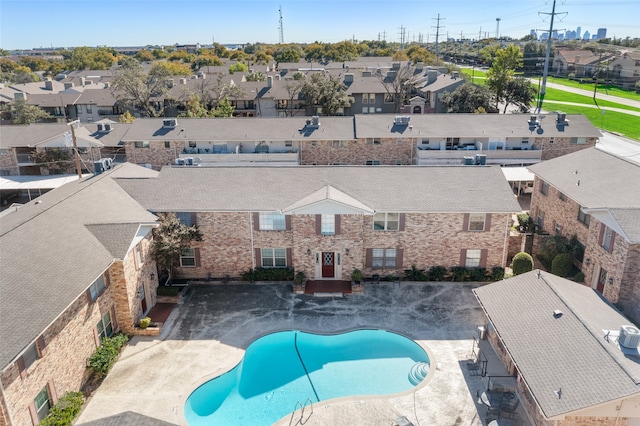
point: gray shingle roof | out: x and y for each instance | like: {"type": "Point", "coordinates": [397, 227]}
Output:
{"type": "Point", "coordinates": [115, 237]}
{"type": "Point", "coordinates": [568, 352]}
{"type": "Point", "coordinates": [629, 221]}
{"type": "Point", "coordinates": [471, 126]}
{"type": "Point", "coordinates": [49, 257]}
{"type": "Point", "coordinates": [382, 188]}
{"type": "Point", "coordinates": [599, 186]}
{"type": "Point", "coordinates": [25, 135]}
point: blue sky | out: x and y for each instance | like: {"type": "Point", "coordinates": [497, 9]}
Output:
{"type": "Point", "coordinates": [27, 24]}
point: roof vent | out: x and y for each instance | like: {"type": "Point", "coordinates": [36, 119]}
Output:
{"type": "Point", "coordinates": [562, 118]}
{"type": "Point", "coordinates": [629, 336]}
{"type": "Point", "coordinates": [169, 122]}
{"type": "Point", "coordinates": [557, 313]}
{"type": "Point", "coordinates": [100, 127]}
{"type": "Point", "coordinates": [107, 127]}
{"type": "Point", "coordinates": [315, 121]}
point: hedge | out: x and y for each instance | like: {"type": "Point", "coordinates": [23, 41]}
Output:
{"type": "Point", "coordinates": [105, 355]}
{"type": "Point", "coordinates": [522, 262]}
{"type": "Point", "coordinates": [65, 410]}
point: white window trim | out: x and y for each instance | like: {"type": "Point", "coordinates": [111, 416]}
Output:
{"type": "Point", "coordinates": [388, 259]}
{"type": "Point", "coordinates": [477, 216]}
{"type": "Point", "coordinates": [273, 257]}
{"type": "Point", "coordinates": [268, 221]}
{"type": "Point", "coordinates": [328, 224]}
{"type": "Point", "coordinates": [473, 261]}
{"type": "Point", "coordinates": [188, 253]}
{"type": "Point", "coordinates": [387, 222]}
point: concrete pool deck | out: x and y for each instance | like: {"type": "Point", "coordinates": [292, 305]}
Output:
{"type": "Point", "coordinates": [208, 331]}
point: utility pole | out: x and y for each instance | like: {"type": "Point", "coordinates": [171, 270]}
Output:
{"type": "Point", "coordinates": [402, 37]}
{"type": "Point", "coordinates": [384, 36]}
{"type": "Point", "coordinates": [480, 34]}
{"type": "Point", "coordinates": [75, 147]}
{"type": "Point", "coordinates": [437, 27]}
{"type": "Point", "coordinates": [281, 27]}
{"type": "Point", "coordinates": [545, 72]}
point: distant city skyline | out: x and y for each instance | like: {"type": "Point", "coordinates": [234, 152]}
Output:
{"type": "Point", "coordinates": [27, 24]}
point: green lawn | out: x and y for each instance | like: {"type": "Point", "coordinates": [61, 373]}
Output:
{"type": "Point", "coordinates": [612, 121]}
{"type": "Point", "coordinates": [561, 95]}
{"type": "Point", "coordinates": [602, 88]}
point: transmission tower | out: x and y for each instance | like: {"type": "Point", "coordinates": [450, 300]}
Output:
{"type": "Point", "coordinates": [437, 27]}
{"type": "Point", "coordinates": [543, 90]}
{"type": "Point", "coordinates": [402, 37]}
{"type": "Point", "coordinates": [498, 27]}
{"type": "Point", "coordinates": [281, 27]}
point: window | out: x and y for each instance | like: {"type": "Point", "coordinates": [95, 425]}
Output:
{"type": "Point", "coordinates": [138, 253]}
{"type": "Point", "coordinates": [552, 140]}
{"type": "Point", "coordinates": [283, 104]}
{"type": "Point", "coordinates": [583, 217]}
{"type": "Point", "coordinates": [562, 196]}
{"type": "Point", "coordinates": [192, 144]}
{"type": "Point", "coordinates": [339, 163]}
{"type": "Point", "coordinates": [288, 144]}
{"type": "Point", "coordinates": [186, 218]}
{"type": "Point", "coordinates": [4, 151]}
{"type": "Point", "coordinates": [89, 109]}
{"type": "Point", "coordinates": [188, 258]}
{"type": "Point", "coordinates": [328, 226]}
{"type": "Point", "coordinates": [167, 144]}
{"type": "Point", "coordinates": [540, 218]}
{"type": "Point", "coordinates": [340, 144]}
{"type": "Point", "coordinates": [578, 141]}
{"type": "Point", "coordinates": [425, 141]}
{"type": "Point", "coordinates": [525, 140]}
{"type": "Point", "coordinates": [30, 355]}
{"type": "Point", "coordinates": [42, 403]}
{"type": "Point", "coordinates": [477, 221]}
{"type": "Point", "coordinates": [607, 238]}
{"type": "Point", "coordinates": [105, 326]}
{"type": "Point", "coordinates": [79, 109]}
{"type": "Point", "coordinates": [373, 141]}
{"type": "Point", "coordinates": [557, 229]}
{"type": "Point", "coordinates": [141, 144]}
{"type": "Point", "coordinates": [544, 188]}
{"type": "Point", "coordinates": [272, 222]}
{"type": "Point", "coordinates": [96, 289]}
{"type": "Point", "coordinates": [386, 221]}
{"type": "Point", "coordinates": [473, 258]}
{"type": "Point", "coordinates": [274, 258]}
{"type": "Point", "coordinates": [368, 98]}
{"type": "Point", "coordinates": [388, 98]}
{"type": "Point", "coordinates": [383, 258]}
{"type": "Point", "coordinates": [372, 163]}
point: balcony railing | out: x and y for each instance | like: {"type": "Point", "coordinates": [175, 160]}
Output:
{"type": "Point", "coordinates": [24, 159]}
{"type": "Point", "coordinates": [243, 158]}
{"type": "Point", "coordinates": [425, 157]}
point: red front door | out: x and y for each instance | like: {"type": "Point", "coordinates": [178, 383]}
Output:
{"type": "Point", "coordinates": [602, 279]}
{"type": "Point", "coordinates": [327, 264]}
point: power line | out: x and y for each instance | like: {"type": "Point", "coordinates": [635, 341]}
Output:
{"type": "Point", "coordinates": [437, 27]}
{"type": "Point", "coordinates": [543, 90]}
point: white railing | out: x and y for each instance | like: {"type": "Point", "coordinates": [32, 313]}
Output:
{"type": "Point", "coordinates": [493, 157]}
{"type": "Point", "coordinates": [233, 158]}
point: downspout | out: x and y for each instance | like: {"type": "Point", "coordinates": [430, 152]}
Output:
{"type": "Point", "coordinates": [506, 239]}
{"type": "Point", "coordinates": [253, 254]}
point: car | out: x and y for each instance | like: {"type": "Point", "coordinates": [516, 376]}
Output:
{"type": "Point", "coordinates": [527, 188]}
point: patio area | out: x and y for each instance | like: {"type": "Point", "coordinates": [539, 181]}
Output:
{"type": "Point", "coordinates": [209, 330]}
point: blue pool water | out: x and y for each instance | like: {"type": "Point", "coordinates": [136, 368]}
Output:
{"type": "Point", "coordinates": [272, 377]}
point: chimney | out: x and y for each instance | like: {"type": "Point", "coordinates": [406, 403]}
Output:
{"type": "Point", "coordinates": [269, 81]}
{"type": "Point", "coordinates": [432, 76]}
{"type": "Point", "coordinates": [183, 81]}
{"type": "Point", "coordinates": [48, 85]}
{"type": "Point", "coordinates": [171, 83]}
{"type": "Point", "coordinates": [348, 77]}
{"type": "Point", "coordinates": [419, 66]}
{"type": "Point", "coordinates": [81, 81]}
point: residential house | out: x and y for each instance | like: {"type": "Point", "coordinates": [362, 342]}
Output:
{"type": "Point", "coordinates": [425, 139]}
{"type": "Point", "coordinates": [625, 70]}
{"type": "Point", "coordinates": [75, 268]}
{"type": "Point", "coordinates": [334, 219]}
{"type": "Point", "coordinates": [574, 357]}
{"type": "Point", "coordinates": [581, 63]}
{"type": "Point", "coordinates": [594, 195]}
{"type": "Point", "coordinates": [19, 143]}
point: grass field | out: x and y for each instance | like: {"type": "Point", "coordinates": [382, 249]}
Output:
{"type": "Point", "coordinates": [602, 88]}
{"type": "Point", "coordinates": [560, 95]}
{"type": "Point", "coordinates": [612, 121]}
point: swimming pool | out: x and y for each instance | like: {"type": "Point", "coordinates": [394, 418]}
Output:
{"type": "Point", "coordinates": [282, 369]}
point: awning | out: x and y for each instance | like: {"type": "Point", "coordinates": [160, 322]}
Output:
{"type": "Point", "coordinates": [517, 174]}
{"type": "Point", "coordinates": [35, 182]}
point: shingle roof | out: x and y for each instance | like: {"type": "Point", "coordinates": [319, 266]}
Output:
{"type": "Point", "coordinates": [49, 257]}
{"type": "Point", "coordinates": [598, 187]}
{"type": "Point", "coordinates": [382, 188]}
{"type": "Point", "coordinates": [567, 352]}
{"type": "Point", "coordinates": [629, 221]}
{"type": "Point", "coordinates": [115, 237]}
{"type": "Point", "coordinates": [470, 126]}
{"type": "Point", "coordinates": [24, 135]}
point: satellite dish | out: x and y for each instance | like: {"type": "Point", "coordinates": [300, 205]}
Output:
{"type": "Point", "coordinates": [540, 130]}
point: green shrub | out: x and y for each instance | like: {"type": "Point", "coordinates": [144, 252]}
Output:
{"type": "Point", "coordinates": [557, 244]}
{"type": "Point", "coordinates": [561, 265]}
{"type": "Point", "coordinates": [105, 355]}
{"type": "Point", "coordinates": [521, 263]}
{"type": "Point", "coordinates": [497, 273]}
{"type": "Point", "coordinates": [526, 225]}
{"type": "Point", "coordinates": [356, 275]}
{"type": "Point", "coordinates": [437, 273]}
{"type": "Point", "coordinates": [299, 278]}
{"type": "Point", "coordinates": [65, 410]}
{"type": "Point", "coordinates": [478, 274]}
{"type": "Point", "coordinates": [268, 274]}
{"type": "Point", "coordinates": [415, 274]}
{"type": "Point", "coordinates": [164, 290]}
{"type": "Point", "coordinates": [460, 273]}
{"type": "Point", "coordinates": [579, 277]}
{"type": "Point", "coordinates": [144, 322]}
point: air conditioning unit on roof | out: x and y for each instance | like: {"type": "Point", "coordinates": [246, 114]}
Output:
{"type": "Point", "coordinates": [629, 336]}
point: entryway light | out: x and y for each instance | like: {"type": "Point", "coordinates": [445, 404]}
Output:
{"type": "Point", "coordinates": [308, 252]}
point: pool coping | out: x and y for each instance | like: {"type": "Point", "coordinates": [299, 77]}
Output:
{"type": "Point", "coordinates": [432, 367]}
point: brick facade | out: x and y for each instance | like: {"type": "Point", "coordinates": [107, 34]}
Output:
{"type": "Point", "coordinates": [231, 239]}
{"type": "Point", "coordinates": [561, 146]}
{"type": "Point", "coordinates": [387, 151]}
{"type": "Point", "coordinates": [156, 154]}
{"type": "Point", "coordinates": [9, 162]}
{"type": "Point", "coordinates": [73, 337]}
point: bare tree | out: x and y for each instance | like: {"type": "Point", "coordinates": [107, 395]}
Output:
{"type": "Point", "coordinates": [399, 83]}
{"type": "Point", "coordinates": [132, 87]}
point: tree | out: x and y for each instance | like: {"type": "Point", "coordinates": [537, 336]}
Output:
{"type": "Point", "coordinates": [239, 67]}
{"type": "Point", "coordinates": [27, 114]}
{"type": "Point", "coordinates": [170, 239]}
{"type": "Point", "coordinates": [144, 56]}
{"type": "Point", "coordinates": [400, 85]}
{"type": "Point", "coordinates": [287, 54]}
{"type": "Point", "coordinates": [468, 98]}
{"type": "Point", "coordinates": [52, 158]}
{"type": "Point", "coordinates": [132, 87]}
{"type": "Point", "coordinates": [518, 91]}
{"type": "Point", "coordinates": [172, 68]}
{"type": "Point", "coordinates": [84, 58]}
{"type": "Point", "coordinates": [293, 88]}
{"type": "Point", "coordinates": [127, 117]}
{"type": "Point", "coordinates": [505, 63]}
{"type": "Point", "coordinates": [224, 109]}
{"type": "Point", "coordinates": [314, 52]}
{"type": "Point", "coordinates": [194, 108]}
{"type": "Point", "coordinates": [327, 92]}
{"type": "Point", "coordinates": [256, 76]}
